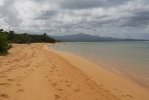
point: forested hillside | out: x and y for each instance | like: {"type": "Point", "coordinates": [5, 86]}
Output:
{"type": "Point", "coordinates": [11, 37]}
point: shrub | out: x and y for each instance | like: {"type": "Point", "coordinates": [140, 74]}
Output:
{"type": "Point", "coordinates": [3, 43]}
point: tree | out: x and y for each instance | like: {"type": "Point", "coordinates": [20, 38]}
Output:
{"type": "Point", "coordinates": [1, 30]}
{"type": "Point", "coordinates": [4, 46]}
{"type": "Point", "coordinates": [11, 35]}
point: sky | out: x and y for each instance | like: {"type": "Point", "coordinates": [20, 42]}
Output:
{"type": "Point", "coordinates": [111, 18]}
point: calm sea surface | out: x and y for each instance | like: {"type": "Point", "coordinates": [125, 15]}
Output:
{"type": "Point", "coordinates": [128, 58]}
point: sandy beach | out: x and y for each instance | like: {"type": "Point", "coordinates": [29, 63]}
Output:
{"type": "Point", "coordinates": [35, 72]}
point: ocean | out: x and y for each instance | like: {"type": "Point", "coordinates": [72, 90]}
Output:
{"type": "Point", "coordinates": [129, 58]}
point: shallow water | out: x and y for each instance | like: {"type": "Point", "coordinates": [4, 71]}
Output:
{"type": "Point", "coordinates": [128, 58]}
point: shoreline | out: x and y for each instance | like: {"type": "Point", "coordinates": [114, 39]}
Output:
{"type": "Point", "coordinates": [125, 74]}
{"type": "Point", "coordinates": [118, 76]}
{"type": "Point", "coordinates": [112, 66]}
{"type": "Point", "coordinates": [35, 72]}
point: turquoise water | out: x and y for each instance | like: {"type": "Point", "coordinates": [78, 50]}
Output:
{"type": "Point", "coordinates": [128, 58]}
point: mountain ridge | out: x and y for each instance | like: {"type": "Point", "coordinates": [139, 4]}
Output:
{"type": "Point", "coordinates": [82, 37]}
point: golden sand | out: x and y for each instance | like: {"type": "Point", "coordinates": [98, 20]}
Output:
{"type": "Point", "coordinates": [34, 72]}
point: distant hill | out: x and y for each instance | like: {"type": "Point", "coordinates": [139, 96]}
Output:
{"type": "Point", "coordinates": [81, 37]}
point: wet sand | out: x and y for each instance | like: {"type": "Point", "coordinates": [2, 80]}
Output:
{"type": "Point", "coordinates": [35, 72]}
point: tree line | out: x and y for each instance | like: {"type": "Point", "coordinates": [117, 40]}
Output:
{"type": "Point", "coordinates": [11, 37]}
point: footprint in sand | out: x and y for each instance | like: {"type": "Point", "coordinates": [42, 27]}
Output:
{"type": "Point", "coordinates": [60, 89]}
{"type": "Point", "coordinates": [115, 89]}
{"type": "Point", "coordinates": [20, 90]}
{"type": "Point", "coordinates": [4, 84]}
{"type": "Point", "coordinates": [2, 76]}
{"type": "Point", "coordinates": [56, 70]}
{"type": "Point", "coordinates": [66, 81]}
{"type": "Point", "coordinates": [54, 84]}
{"type": "Point", "coordinates": [68, 85]}
{"type": "Point", "coordinates": [3, 95]}
{"type": "Point", "coordinates": [53, 64]}
{"type": "Point", "coordinates": [76, 90]}
{"type": "Point", "coordinates": [50, 71]}
{"type": "Point", "coordinates": [53, 67]}
{"type": "Point", "coordinates": [59, 75]}
{"type": "Point", "coordinates": [18, 84]}
{"type": "Point", "coordinates": [128, 95]}
{"type": "Point", "coordinates": [10, 80]}
{"type": "Point", "coordinates": [57, 97]}
{"type": "Point", "coordinates": [50, 74]}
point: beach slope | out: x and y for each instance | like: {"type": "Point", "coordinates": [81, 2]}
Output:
{"type": "Point", "coordinates": [33, 72]}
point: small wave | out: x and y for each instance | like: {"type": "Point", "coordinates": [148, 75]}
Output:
{"type": "Point", "coordinates": [115, 70]}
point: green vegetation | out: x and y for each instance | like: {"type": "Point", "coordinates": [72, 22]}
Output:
{"type": "Point", "coordinates": [12, 37]}
{"type": "Point", "coordinates": [29, 38]}
{"type": "Point", "coordinates": [4, 46]}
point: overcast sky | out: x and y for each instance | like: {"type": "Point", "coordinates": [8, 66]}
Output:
{"type": "Point", "coordinates": [117, 18]}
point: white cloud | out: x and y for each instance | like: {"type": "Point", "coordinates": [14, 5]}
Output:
{"type": "Point", "coordinates": [117, 18]}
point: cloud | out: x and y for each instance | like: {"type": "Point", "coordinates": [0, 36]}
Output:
{"type": "Point", "coordinates": [8, 14]}
{"type": "Point", "coordinates": [1, 2]}
{"type": "Point", "coordinates": [118, 18]}
{"type": "Point", "coordinates": [46, 15]}
{"type": "Point", "coordinates": [138, 19]}
{"type": "Point", "coordinates": [86, 4]}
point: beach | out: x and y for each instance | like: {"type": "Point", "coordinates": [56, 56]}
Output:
{"type": "Point", "coordinates": [35, 72]}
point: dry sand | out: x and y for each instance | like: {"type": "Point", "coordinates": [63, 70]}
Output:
{"type": "Point", "coordinates": [33, 72]}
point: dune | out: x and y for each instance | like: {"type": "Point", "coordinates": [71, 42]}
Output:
{"type": "Point", "coordinates": [35, 72]}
